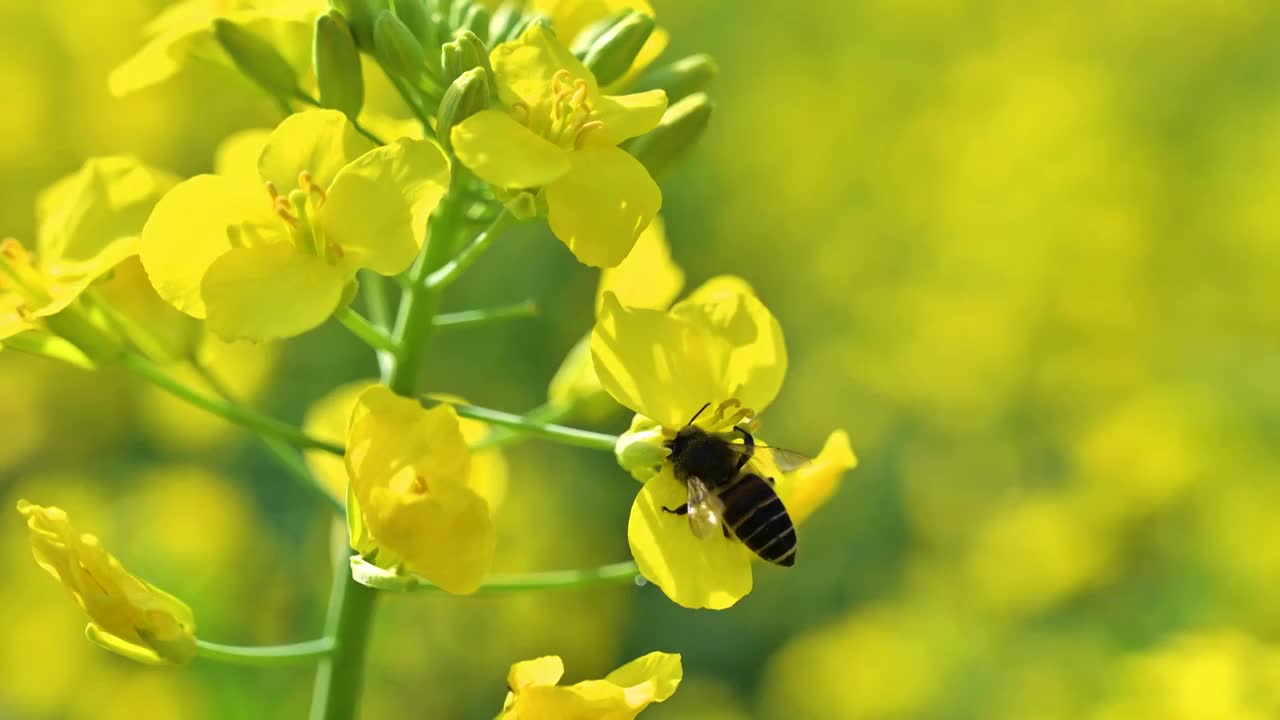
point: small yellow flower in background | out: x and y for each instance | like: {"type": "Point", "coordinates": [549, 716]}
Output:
{"type": "Point", "coordinates": [274, 258]}
{"type": "Point", "coordinates": [184, 32]}
{"type": "Point", "coordinates": [127, 615]}
{"type": "Point", "coordinates": [87, 224]}
{"type": "Point", "coordinates": [559, 134]}
{"type": "Point", "coordinates": [621, 695]}
{"type": "Point", "coordinates": [718, 345]}
{"type": "Point", "coordinates": [647, 278]}
{"type": "Point", "coordinates": [412, 500]}
{"type": "Point", "coordinates": [329, 417]}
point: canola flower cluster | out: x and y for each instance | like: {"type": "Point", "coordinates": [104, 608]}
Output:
{"type": "Point", "coordinates": [556, 111]}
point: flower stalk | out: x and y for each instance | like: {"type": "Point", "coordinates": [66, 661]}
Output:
{"type": "Point", "coordinates": [265, 655]}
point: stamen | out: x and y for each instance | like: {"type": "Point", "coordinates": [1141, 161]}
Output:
{"type": "Point", "coordinates": [420, 484]}
{"type": "Point", "coordinates": [272, 191]}
{"type": "Point", "coordinates": [310, 187]}
{"type": "Point", "coordinates": [585, 130]}
{"type": "Point", "coordinates": [560, 78]}
{"type": "Point", "coordinates": [282, 208]}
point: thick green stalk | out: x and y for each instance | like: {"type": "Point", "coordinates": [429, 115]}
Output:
{"type": "Point", "coordinates": [615, 573]}
{"type": "Point", "coordinates": [260, 655]}
{"type": "Point", "coordinates": [339, 677]}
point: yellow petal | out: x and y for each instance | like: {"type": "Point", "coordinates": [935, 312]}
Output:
{"type": "Point", "coordinates": [655, 676]}
{"type": "Point", "coordinates": [269, 292]}
{"type": "Point", "coordinates": [524, 67]}
{"type": "Point", "coordinates": [156, 327]}
{"type": "Point", "coordinates": [600, 207]}
{"type": "Point", "coordinates": [806, 489]}
{"type": "Point", "coordinates": [127, 615]}
{"type": "Point", "coordinates": [12, 319]}
{"type": "Point", "coordinates": [658, 365]}
{"type": "Point", "coordinates": [320, 142]}
{"type": "Point", "coordinates": [648, 277]}
{"type": "Point", "coordinates": [570, 17]}
{"type": "Point", "coordinates": [161, 57]}
{"type": "Point", "coordinates": [505, 153]}
{"type": "Point", "coordinates": [90, 221]}
{"type": "Point", "coordinates": [712, 572]}
{"type": "Point", "coordinates": [757, 362]}
{"type": "Point", "coordinates": [327, 419]}
{"type": "Point", "coordinates": [191, 227]}
{"type": "Point", "coordinates": [627, 116]}
{"type": "Point", "coordinates": [545, 670]}
{"type": "Point", "coordinates": [237, 155]}
{"type": "Point", "coordinates": [409, 471]}
{"type": "Point", "coordinates": [378, 205]}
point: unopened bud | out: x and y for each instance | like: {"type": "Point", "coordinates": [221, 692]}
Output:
{"type": "Point", "coordinates": [642, 449]}
{"type": "Point", "coordinates": [413, 13]}
{"type": "Point", "coordinates": [466, 96]}
{"type": "Point", "coordinates": [581, 43]}
{"type": "Point", "coordinates": [477, 21]}
{"type": "Point", "coordinates": [458, 10]}
{"type": "Point", "coordinates": [681, 78]}
{"type": "Point", "coordinates": [504, 21]}
{"type": "Point", "coordinates": [464, 52]}
{"type": "Point", "coordinates": [398, 50]}
{"type": "Point", "coordinates": [667, 144]}
{"type": "Point", "coordinates": [256, 58]}
{"type": "Point", "coordinates": [613, 53]}
{"type": "Point", "coordinates": [338, 65]}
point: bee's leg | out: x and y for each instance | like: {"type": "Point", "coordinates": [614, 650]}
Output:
{"type": "Point", "coordinates": [750, 444]}
{"type": "Point", "coordinates": [725, 528]}
{"type": "Point", "coordinates": [682, 510]}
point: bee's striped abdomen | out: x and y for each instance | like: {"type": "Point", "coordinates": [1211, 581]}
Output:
{"type": "Point", "coordinates": [758, 518]}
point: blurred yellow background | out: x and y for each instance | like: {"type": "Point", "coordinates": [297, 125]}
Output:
{"type": "Point", "coordinates": [1026, 253]}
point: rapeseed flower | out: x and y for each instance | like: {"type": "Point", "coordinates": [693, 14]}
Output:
{"type": "Point", "coordinates": [278, 259]}
{"type": "Point", "coordinates": [534, 695]}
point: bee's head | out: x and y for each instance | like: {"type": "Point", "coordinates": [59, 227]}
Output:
{"type": "Point", "coordinates": [682, 438]}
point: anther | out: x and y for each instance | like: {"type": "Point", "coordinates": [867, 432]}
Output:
{"type": "Point", "coordinates": [310, 187]}
{"type": "Point", "coordinates": [584, 131]}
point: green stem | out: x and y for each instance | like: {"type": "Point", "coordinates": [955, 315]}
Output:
{"type": "Point", "coordinates": [280, 450]}
{"type": "Point", "coordinates": [452, 270]}
{"type": "Point", "coordinates": [539, 428]}
{"type": "Point", "coordinates": [260, 424]}
{"type": "Point", "coordinates": [616, 573]}
{"type": "Point", "coordinates": [374, 289]}
{"type": "Point", "coordinates": [485, 316]}
{"type": "Point", "coordinates": [500, 436]}
{"type": "Point", "coordinates": [340, 676]}
{"type": "Point", "coordinates": [261, 655]}
{"type": "Point", "coordinates": [368, 333]}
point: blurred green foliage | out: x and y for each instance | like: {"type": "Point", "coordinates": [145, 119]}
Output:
{"type": "Point", "coordinates": [1026, 253]}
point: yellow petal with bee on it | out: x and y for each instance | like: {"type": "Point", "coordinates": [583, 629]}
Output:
{"type": "Point", "coordinates": [656, 364]}
{"type": "Point", "coordinates": [727, 307]}
{"type": "Point", "coordinates": [712, 572]}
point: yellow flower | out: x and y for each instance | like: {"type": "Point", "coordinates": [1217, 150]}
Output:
{"type": "Point", "coordinates": [721, 346]}
{"type": "Point", "coordinates": [127, 615]}
{"type": "Point", "coordinates": [621, 695]}
{"type": "Point", "coordinates": [271, 260]}
{"type": "Point", "coordinates": [648, 277]}
{"type": "Point", "coordinates": [558, 134]}
{"type": "Point", "coordinates": [87, 225]}
{"type": "Point", "coordinates": [412, 500]}
{"type": "Point", "coordinates": [329, 417]}
{"type": "Point", "coordinates": [185, 31]}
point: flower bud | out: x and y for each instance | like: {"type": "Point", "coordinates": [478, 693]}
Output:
{"type": "Point", "coordinates": [464, 52]}
{"type": "Point", "coordinates": [458, 10]}
{"type": "Point", "coordinates": [681, 127]}
{"type": "Point", "coordinates": [466, 96]}
{"type": "Point", "coordinates": [504, 20]}
{"type": "Point", "coordinates": [613, 53]}
{"type": "Point", "coordinates": [256, 58]}
{"type": "Point", "coordinates": [681, 78]}
{"type": "Point", "coordinates": [397, 49]}
{"type": "Point", "coordinates": [587, 36]}
{"type": "Point", "coordinates": [338, 65]}
{"type": "Point", "coordinates": [576, 388]}
{"type": "Point", "coordinates": [477, 21]}
{"type": "Point", "coordinates": [413, 13]}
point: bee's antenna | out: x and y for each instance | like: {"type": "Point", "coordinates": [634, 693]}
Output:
{"type": "Point", "coordinates": [695, 415]}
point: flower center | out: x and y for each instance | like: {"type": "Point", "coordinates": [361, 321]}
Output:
{"type": "Point", "coordinates": [565, 119]}
{"type": "Point", "coordinates": [297, 210]}
{"type": "Point", "coordinates": [724, 416]}
{"type": "Point", "coordinates": [19, 277]}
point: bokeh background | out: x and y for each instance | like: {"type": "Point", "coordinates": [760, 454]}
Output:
{"type": "Point", "coordinates": [1025, 253]}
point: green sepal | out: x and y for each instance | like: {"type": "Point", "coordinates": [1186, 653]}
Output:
{"type": "Point", "coordinates": [337, 62]}
{"type": "Point", "coordinates": [682, 125]}
{"type": "Point", "coordinates": [615, 51]}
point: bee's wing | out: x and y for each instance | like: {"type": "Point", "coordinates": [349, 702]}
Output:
{"type": "Point", "coordinates": [786, 460]}
{"type": "Point", "coordinates": [704, 515]}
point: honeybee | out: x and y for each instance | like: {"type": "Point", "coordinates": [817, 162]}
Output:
{"type": "Point", "coordinates": [726, 489]}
